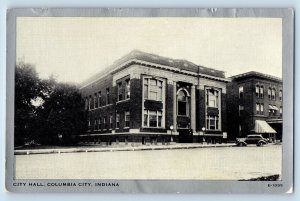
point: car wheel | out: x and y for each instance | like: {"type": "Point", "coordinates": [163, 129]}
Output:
{"type": "Point", "coordinates": [240, 144]}
{"type": "Point", "coordinates": [260, 144]}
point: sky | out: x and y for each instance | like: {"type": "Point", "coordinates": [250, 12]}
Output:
{"type": "Point", "coordinates": [74, 48]}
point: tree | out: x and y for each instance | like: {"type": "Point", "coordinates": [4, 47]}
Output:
{"type": "Point", "coordinates": [64, 115]}
{"type": "Point", "coordinates": [28, 89]}
{"type": "Point", "coordinates": [46, 111]}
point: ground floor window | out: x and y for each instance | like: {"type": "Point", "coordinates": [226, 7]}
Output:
{"type": "Point", "coordinates": [99, 124]}
{"type": "Point", "coordinates": [96, 124]}
{"type": "Point", "coordinates": [104, 122]}
{"type": "Point", "coordinates": [152, 118]}
{"type": "Point", "coordinates": [212, 122]}
{"type": "Point", "coordinates": [110, 121]}
{"type": "Point", "coordinates": [117, 120]}
{"type": "Point", "coordinates": [89, 125]}
{"type": "Point", "coordinates": [127, 119]}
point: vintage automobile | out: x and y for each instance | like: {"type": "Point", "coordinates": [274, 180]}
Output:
{"type": "Point", "coordinates": [258, 140]}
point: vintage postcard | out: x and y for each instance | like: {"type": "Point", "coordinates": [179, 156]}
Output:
{"type": "Point", "coordinates": [150, 100]}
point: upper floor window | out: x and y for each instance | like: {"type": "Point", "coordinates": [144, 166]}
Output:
{"type": "Point", "coordinates": [212, 98]}
{"type": "Point", "coordinates": [273, 94]}
{"type": "Point", "coordinates": [257, 91]}
{"type": "Point", "coordinates": [241, 92]}
{"type": "Point", "coordinates": [153, 89]}
{"type": "Point", "coordinates": [261, 91]}
{"type": "Point", "coordinates": [120, 91]}
{"type": "Point", "coordinates": [182, 103]}
{"type": "Point", "coordinates": [127, 89]}
{"type": "Point", "coordinates": [280, 94]}
{"type": "Point", "coordinates": [107, 96]}
{"type": "Point", "coordinates": [269, 93]}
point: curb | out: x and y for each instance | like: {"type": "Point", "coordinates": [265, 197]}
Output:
{"type": "Point", "coordinates": [84, 150]}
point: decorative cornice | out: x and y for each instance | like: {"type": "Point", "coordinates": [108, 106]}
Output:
{"type": "Point", "coordinates": [159, 66]}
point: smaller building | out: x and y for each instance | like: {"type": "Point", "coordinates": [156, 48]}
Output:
{"type": "Point", "coordinates": [254, 105]}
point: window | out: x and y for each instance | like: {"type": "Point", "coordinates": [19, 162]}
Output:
{"type": "Point", "coordinates": [99, 124]}
{"type": "Point", "coordinates": [95, 101]}
{"type": "Point", "coordinates": [241, 92]}
{"type": "Point", "coordinates": [86, 103]}
{"type": "Point", "coordinates": [127, 119]}
{"type": "Point", "coordinates": [182, 103]}
{"type": "Point", "coordinates": [153, 118]}
{"type": "Point", "coordinates": [257, 89]}
{"type": "Point", "coordinates": [269, 93]}
{"type": "Point", "coordinates": [107, 96]}
{"type": "Point", "coordinates": [261, 91]}
{"type": "Point", "coordinates": [90, 102]}
{"type": "Point", "coordinates": [111, 121]}
{"type": "Point", "coordinates": [120, 91]}
{"type": "Point", "coordinates": [212, 98]}
{"type": "Point", "coordinates": [212, 122]}
{"type": "Point", "coordinates": [259, 108]}
{"type": "Point", "coordinates": [117, 120]}
{"type": "Point", "coordinates": [89, 124]}
{"type": "Point", "coordinates": [241, 109]}
{"type": "Point", "coordinates": [273, 94]}
{"type": "Point", "coordinates": [99, 99]}
{"type": "Point", "coordinates": [104, 123]}
{"type": "Point", "coordinates": [153, 89]}
{"type": "Point", "coordinates": [280, 94]}
{"type": "Point", "coordinates": [280, 110]}
{"type": "Point", "coordinates": [95, 124]}
{"type": "Point", "coordinates": [127, 89]}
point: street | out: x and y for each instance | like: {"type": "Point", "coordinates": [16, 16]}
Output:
{"type": "Point", "coordinates": [221, 163]}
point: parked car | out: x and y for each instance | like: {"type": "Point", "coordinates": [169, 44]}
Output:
{"type": "Point", "coordinates": [258, 140]}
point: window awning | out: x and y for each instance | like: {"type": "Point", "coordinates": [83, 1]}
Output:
{"type": "Point", "coordinates": [271, 107]}
{"type": "Point", "coordinates": [275, 108]}
{"type": "Point", "coordinates": [263, 127]}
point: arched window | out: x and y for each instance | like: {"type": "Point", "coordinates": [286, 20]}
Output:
{"type": "Point", "coordinates": [182, 103]}
{"type": "Point", "coordinates": [273, 94]}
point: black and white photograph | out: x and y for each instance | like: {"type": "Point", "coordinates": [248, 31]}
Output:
{"type": "Point", "coordinates": [106, 99]}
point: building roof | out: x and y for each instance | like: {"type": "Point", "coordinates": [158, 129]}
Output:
{"type": "Point", "coordinates": [254, 74]}
{"type": "Point", "coordinates": [176, 64]}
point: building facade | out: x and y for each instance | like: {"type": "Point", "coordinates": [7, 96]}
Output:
{"type": "Point", "coordinates": [148, 98]}
{"type": "Point", "coordinates": [254, 105]}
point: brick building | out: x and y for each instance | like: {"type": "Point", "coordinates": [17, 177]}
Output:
{"type": "Point", "coordinates": [254, 105]}
{"type": "Point", "coordinates": [148, 98]}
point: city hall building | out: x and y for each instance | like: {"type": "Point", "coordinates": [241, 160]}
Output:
{"type": "Point", "coordinates": [254, 105]}
{"type": "Point", "coordinates": [147, 98]}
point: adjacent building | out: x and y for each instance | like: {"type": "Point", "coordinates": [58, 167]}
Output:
{"type": "Point", "coordinates": [144, 98]}
{"type": "Point", "coordinates": [254, 105]}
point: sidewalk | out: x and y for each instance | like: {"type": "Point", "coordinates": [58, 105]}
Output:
{"type": "Point", "coordinates": [129, 147]}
